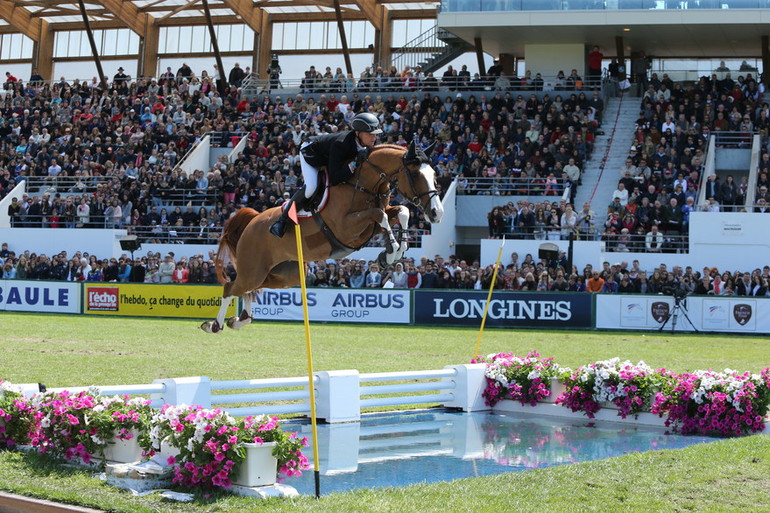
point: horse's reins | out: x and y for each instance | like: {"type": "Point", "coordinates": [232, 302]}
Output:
{"type": "Point", "coordinates": [392, 183]}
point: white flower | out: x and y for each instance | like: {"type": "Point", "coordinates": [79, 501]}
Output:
{"type": "Point", "coordinates": [533, 375]}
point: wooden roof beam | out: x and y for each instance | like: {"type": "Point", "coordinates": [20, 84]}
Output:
{"type": "Point", "coordinates": [127, 12]}
{"type": "Point", "coordinates": [22, 20]}
{"type": "Point", "coordinates": [374, 13]}
{"type": "Point", "coordinates": [251, 15]}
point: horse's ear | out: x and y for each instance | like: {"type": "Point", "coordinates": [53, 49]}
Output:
{"type": "Point", "coordinates": [430, 149]}
{"type": "Point", "coordinates": [411, 152]}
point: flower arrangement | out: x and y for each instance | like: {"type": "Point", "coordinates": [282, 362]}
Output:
{"type": "Point", "coordinates": [15, 415]}
{"type": "Point", "coordinates": [211, 444]}
{"type": "Point", "coordinates": [525, 379]}
{"type": "Point", "coordinates": [631, 388]}
{"type": "Point", "coordinates": [81, 425]}
{"type": "Point", "coordinates": [726, 403]}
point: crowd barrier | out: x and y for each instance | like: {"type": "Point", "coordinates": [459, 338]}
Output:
{"type": "Point", "coordinates": [561, 310]}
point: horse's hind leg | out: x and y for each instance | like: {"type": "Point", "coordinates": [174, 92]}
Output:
{"type": "Point", "coordinates": [218, 324]}
{"type": "Point", "coordinates": [245, 317]}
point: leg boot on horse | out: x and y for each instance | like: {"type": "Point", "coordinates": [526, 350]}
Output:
{"type": "Point", "coordinates": [278, 228]}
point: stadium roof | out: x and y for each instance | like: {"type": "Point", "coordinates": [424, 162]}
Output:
{"type": "Point", "coordinates": [22, 15]}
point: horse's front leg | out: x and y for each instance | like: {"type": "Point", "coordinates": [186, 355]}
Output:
{"type": "Point", "coordinates": [400, 215]}
{"type": "Point", "coordinates": [380, 217]}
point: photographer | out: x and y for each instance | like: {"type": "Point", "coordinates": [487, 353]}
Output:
{"type": "Point", "coordinates": [672, 287]}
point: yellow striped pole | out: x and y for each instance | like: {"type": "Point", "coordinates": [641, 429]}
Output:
{"type": "Point", "coordinates": [489, 298]}
{"type": "Point", "coordinates": [309, 351]}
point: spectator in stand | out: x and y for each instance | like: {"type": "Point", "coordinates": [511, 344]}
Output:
{"type": "Point", "coordinates": [166, 269]}
{"type": "Point", "coordinates": [596, 283]}
{"type": "Point", "coordinates": [654, 240]}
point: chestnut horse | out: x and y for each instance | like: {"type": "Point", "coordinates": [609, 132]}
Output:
{"type": "Point", "coordinates": [356, 210]}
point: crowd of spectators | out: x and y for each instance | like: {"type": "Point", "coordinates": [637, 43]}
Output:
{"type": "Point", "coordinates": [660, 182]}
{"type": "Point", "coordinates": [517, 274]}
{"type": "Point", "coordinates": [107, 153]}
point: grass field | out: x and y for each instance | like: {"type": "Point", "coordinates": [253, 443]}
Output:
{"type": "Point", "coordinates": [732, 475]}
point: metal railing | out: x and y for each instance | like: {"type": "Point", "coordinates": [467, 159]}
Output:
{"type": "Point", "coordinates": [507, 186]}
{"type": "Point", "coordinates": [226, 139]}
{"type": "Point", "coordinates": [387, 84]}
{"type": "Point", "coordinates": [420, 49]}
{"type": "Point", "coordinates": [448, 6]}
{"type": "Point", "coordinates": [64, 185]}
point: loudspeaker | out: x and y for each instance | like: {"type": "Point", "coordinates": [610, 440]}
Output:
{"type": "Point", "coordinates": [130, 243]}
{"type": "Point", "coordinates": [548, 251]}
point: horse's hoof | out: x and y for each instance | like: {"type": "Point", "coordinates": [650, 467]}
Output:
{"type": "Point", "coordinates": [382, 260]}
{"type": "Point", "coordinates": [231, 323]}
{"type": "Point", "coordinates": [211, 327]}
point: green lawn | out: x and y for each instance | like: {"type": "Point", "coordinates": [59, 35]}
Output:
{"type": "Point", "coordinates": [731, 475]}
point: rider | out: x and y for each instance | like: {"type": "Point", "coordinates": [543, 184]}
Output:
{"type": "Point", "coordinates": [335, 151]}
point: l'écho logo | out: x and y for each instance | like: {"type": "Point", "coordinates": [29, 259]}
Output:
{"type": "Point", "coordinates": [103, 298]}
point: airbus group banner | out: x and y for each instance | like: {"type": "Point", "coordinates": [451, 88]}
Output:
{"type": "Point", "coordinates": [40, 296]}
{"type": "Point", "coordinates": [335, 305]}
{"type": "Point", "coordinates": [506, 309]}
{"type": "Point", "coordinates": [736, 314]}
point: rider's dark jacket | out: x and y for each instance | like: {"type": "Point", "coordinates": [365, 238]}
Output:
{"type": "Point", "coordinates": [335, 151]}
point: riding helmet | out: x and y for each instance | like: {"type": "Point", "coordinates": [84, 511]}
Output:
{"type": "Point", "coordinates": [366, 122]}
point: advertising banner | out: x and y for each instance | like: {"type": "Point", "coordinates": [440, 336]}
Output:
{"type": "Point", "coordinates": [335, 305]}
{"type": "Point", "coordinates": [507, 309]}
{"type": "Point", "coordinates": [737, 314]}
{"type": "Point", "coordinates": [149, 300]}
{"type": "Point", "coordinates": [39, 296]}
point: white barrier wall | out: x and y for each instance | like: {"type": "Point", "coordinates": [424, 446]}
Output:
{"type": "Point", "coordinates": [40, 296]}
{"type": "Point", "coordinates": [735, 314]}
{"type": "Point", "coordinates": [102, 243]}
{"type": "Point", "coordinates": [198, 158]}
{"type": "Point", "coordinates": [16, 192]}
{"type": "Point", "coordinates": [726, 240]}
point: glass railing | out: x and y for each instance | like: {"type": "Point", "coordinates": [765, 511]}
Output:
{"type": "Point", "coordinates": [448, 6]}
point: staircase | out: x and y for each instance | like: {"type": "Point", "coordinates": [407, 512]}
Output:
{"type": "Point", "coordinates": [602, 173]}
{"type": "Point", "coordinates": [431, 50]}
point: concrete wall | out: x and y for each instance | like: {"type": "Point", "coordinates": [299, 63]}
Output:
{"type": "Point", "coordinates": [198, 158]}
{"type": "Point", "coordinates": [550, 59]}
{"type": "Point", "coordinates": [734, 241]}
{"type": "Point", "coordinates": [16, 192]}
{"type": "Point", "coordinates": [733, 159]}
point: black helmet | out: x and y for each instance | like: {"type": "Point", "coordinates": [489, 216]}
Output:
{"type": "Point", "coordinates": [366, 122]}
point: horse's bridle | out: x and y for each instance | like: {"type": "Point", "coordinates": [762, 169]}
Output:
{"type": "Point", "coordinates": [392, 183]}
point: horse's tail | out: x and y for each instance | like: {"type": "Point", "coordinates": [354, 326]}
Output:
{"type": "Point", "coordinates": [228, 242]}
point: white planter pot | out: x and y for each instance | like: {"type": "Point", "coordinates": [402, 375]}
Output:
{"type": "Point", "coordinates": [557, 387]}
{"type": "Point", "coordinates": [124, 451]}
{"type": "Point", "coordinates": [259, 468]}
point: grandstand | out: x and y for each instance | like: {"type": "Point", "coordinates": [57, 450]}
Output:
{"type": "Point", "coordinates": [177, 135]}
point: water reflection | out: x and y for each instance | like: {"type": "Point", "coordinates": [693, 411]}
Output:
{"type": "Point", "coordinates": [429, 446]}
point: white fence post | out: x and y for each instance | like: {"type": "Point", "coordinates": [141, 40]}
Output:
{"type": "Point", "coordinates": [190, 391]}
{"type": "Point", "coordinates": [338, 396]}
{"type": "Point", "coordinates": [29, 389]}
{"type": "Point", "coordinates": [469, 384]}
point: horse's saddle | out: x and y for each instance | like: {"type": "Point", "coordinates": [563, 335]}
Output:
{"type": "Point", "coordinates": [319, 199]}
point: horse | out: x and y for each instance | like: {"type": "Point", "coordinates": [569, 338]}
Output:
{"type": "Point", "coordinates": [356, 210]}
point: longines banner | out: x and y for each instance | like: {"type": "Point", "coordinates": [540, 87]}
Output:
{"type": "Point", "coordinates": [705, 313]}
{"type": "Point", "coordinates": [335, 305]}
{"type": "Point", "coordinates": [507, 309]}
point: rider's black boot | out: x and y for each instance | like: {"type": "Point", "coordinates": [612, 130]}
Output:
{"type": "Point", "coordinates": [278, 228]}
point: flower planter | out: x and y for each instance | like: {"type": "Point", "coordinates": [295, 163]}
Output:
{"type": "Point", "coordinates": [557, 388]}
{"type": "Point", "coordinates": [124, 451]}
{"type": "Point", "coordinates": [259, 468]}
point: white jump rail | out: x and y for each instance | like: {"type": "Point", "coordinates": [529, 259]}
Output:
{"type": "Point", "coordinates": [340, 395]}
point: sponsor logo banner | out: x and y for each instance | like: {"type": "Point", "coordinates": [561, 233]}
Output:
{"type": "Point", "coordinates": [660, 311]}
{"type": "Point", "coordinates": [338, 305]}
{"type": "Point", "coordinates": [505, 309]}
{"type": "Point", "coordinates": [147, 300]}
{"type": "Point", "coordinates": [39, 296]}
{"type": "Point", "coordinates": [102, 298]}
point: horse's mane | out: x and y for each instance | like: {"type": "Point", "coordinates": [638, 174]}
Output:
{"type": "Point", "coordinates": [388, 147]}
